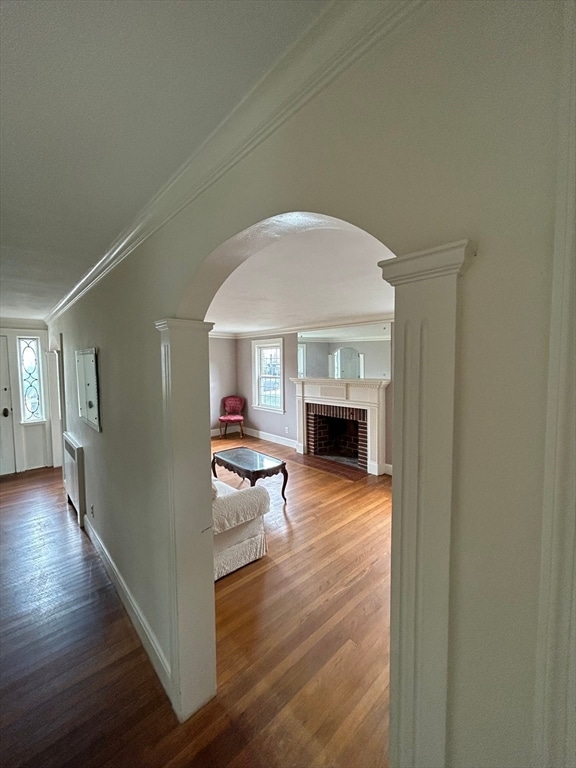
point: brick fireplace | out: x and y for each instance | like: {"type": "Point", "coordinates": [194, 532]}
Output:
{"type": "Point", "coordinates": [346, 416]}
{"type": "Point", "coordinates": [335, 430]}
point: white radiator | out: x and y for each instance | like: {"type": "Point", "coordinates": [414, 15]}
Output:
{"type": "Point", "coordinates": [74, 475]}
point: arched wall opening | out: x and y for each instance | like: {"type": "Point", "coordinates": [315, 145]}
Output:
{"type": "Point", "coordinates": [426, 295]}
{"type": "Point", "coordinates": [314, 246]}
{"type": "Point", "coordinates": [185, 358]}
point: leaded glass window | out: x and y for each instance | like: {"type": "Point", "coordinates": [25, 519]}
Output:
{"type": "Point", "coordinates": [30, 379]}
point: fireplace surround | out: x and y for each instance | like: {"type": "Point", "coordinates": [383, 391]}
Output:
{"type": "Point", "coordinates": [357, 400]}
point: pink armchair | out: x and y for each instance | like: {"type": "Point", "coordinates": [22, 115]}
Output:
{"type": "Point", "coordinates": [233, 405]}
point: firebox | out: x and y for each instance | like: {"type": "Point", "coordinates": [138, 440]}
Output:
{"type": "Point", "coordinates": [334, 430]}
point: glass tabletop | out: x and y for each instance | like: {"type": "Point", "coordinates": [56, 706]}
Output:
{"type": "Point", "coordinates": [246, 458]}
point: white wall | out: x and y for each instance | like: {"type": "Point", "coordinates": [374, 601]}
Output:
{"type": "Point", "coordinates": [263, 421]}
{"type": "Point", "coordinates": [444, 130]}
{"type": "Point", "coordinates": [223, 374]}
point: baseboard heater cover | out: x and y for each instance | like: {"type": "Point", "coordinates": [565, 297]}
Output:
{"type": "Point", "coordinates": [74, 475]}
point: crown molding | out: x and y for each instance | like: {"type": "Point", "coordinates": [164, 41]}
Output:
{"type": "Point", "coordinates": [19, 324]}
{"type": "Point", "coordinates": [360, 320]}
{"type": "Point", "coordinates": [340, 36]}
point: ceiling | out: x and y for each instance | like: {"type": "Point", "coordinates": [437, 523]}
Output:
{"type": "Point", "coordinates": [101, 103]}
{"type": "Point", "coordinates": [306, 271]}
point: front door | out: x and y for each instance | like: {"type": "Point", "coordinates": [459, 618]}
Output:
{"type": "Point", "coordinates": [7, 460]}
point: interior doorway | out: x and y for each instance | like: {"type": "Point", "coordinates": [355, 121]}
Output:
{"type": "Point", "coordinates": [283, 576]}
{"type": "Point", "coordinates": [426, 325]}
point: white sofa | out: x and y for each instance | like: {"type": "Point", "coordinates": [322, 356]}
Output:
{"type": "Point", "coordinates": [239, 535]}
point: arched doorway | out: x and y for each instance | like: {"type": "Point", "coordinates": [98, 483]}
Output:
{"type": "Point", "coordinates": [425, 370]}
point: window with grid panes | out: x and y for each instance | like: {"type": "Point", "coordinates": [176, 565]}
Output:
{"type": "Point", "coordinates": [268, 375]}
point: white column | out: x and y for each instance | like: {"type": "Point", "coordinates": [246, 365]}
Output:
{"type": "Point", "coordinates": [424, 370]}
{"type": "Point", "coordinates": [186, 401]}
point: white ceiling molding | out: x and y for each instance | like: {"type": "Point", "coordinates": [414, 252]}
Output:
{"type": "Point", "coordinates": [18, 324]}
{"type": "Point", "coordinates": [345, 322]}
{"type": "Point", "coordinates": [343, 33]}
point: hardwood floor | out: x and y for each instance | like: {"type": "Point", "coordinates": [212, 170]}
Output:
{"type": "Point", "coordinates": [303, 637]}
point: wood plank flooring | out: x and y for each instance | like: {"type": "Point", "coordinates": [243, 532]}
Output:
{"type": "Point", "coordinates": [302, 637]}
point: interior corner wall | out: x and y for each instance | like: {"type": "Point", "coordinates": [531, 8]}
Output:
{"type": "Point", "coordinates": [223, 374]}
{"type": "Point", "coordinates": [268, 422]}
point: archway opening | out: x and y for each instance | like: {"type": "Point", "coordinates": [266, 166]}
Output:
{"type": "Point", "coordinates": [347, 289]}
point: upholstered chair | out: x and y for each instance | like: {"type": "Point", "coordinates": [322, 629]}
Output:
{"type": "Point", "coordinates": [233, 405]}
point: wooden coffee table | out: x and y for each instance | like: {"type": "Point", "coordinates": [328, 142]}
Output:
{"type": "Point", "coordinates": [250, 464]}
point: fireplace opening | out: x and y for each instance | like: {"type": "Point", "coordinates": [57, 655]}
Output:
{"type": "Point", "coordinates": [338, 438]}
{"type": "Point", "coordinates": [339, 435]}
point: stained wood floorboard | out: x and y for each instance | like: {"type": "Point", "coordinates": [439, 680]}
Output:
{"type": "Point", "coordinates": [302, 636]}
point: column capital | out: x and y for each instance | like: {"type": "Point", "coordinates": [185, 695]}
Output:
{"type": "Point", "coordinates": [176, 323]}
{"type": "Point", "coordinates": [450, 259]}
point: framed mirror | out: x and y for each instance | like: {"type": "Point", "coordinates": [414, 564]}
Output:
{"type": "Point", "coordinates": [87, 379]}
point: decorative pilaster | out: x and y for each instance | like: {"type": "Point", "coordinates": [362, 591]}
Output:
{"type": "Point", "coordinates": [555, 690]}
{"type": "Point", "coordinates": [186, 403]}
{"type": "Point", "coordinates": [424, 372]}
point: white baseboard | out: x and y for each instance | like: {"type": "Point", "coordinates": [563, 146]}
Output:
{"type": "Point", "coordinates": [388, 469]}
{"type": "Point", "coordinates": [270, 437]}
{"type": "Point", "coordinates": [145, 633]}
{"type": "Point", "coordinates": [257, 433]}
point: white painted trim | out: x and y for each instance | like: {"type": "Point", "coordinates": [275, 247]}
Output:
{"type": "Point", "coordinates": [270, 437]}
{"type": "Point", "coordinates": [360, 320]}
{"type": "Point", "coordinates": [145, 633]}
{"type": "Point", "coordinates": [555, 692]}
{"type": "Point", "coordinates": [218, 335]}
{"type": "Point", "coordinates": [426, 327]}
{"type": "Point", "coordinates": [26, 433]}
{"type": "Point", "coordinates": [376, 468]}
{"type": "Point", "coordinates": [20, 324]}
{"type": "Point", "coordinates": [451, 259]}
{"type": "Point", "coordinates": [255, 359]}
{"type": "Point", "coordinates": [184, 352]}
{"type": "Point", "coordinates": [388, 469]}
{"type": "Point", "coordinates": [343, 33]}
{"type": "Point", "coordinates": [368, 394]}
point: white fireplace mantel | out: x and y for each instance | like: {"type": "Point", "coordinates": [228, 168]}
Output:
{"type": "Point", "coordinates": [369, 394]}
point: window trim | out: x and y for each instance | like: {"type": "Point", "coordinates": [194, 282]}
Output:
{"type": "Point", "coordinates": [257, 345]}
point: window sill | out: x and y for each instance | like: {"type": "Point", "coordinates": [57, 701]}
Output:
{"type": "Point", "coordinates": [267, 408]}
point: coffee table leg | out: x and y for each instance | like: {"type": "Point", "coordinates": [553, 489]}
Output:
{"type": "Point", "coordinates": [285, 473]}
{"type": "Point", "coordinates": [214, 468]}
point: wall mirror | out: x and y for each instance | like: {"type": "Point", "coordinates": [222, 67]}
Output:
{"type": "Point", "coordinates": [87, 379]}
{"type": "Point", "coordinates": [347, 352]}
{"type": "Point", "coordinates": [346, 363]}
